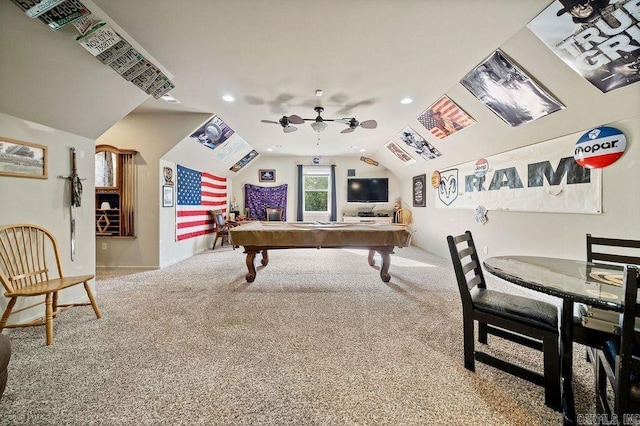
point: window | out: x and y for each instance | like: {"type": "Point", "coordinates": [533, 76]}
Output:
{"type": "Point", "coordinates": [316, 190]}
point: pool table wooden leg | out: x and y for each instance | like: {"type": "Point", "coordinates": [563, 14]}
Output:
{"type": "Point", "coordinates": [251, 255]}
{"type": "Point", "coordinates": [386, 261]}
{"type": "Point", "coordinates": [372, 262]}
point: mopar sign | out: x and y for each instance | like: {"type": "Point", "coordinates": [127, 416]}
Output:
{"type": "Point", "coordinates": [600, 147]}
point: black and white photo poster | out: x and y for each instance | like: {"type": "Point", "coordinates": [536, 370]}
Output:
{"type": "Point", "coordinates": [419, 145]}
{"type": "Point", "coordinates": [508, 91]}
{"type": "Point", "coordinates": [598, 39]}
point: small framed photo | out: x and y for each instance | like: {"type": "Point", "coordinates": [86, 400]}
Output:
{"type": "Point", "coordinates": [22, 159]}
{"type": "Point", "coordinates": [419, 188]}
{"type": "Point", "coordinates": [167, 196]}
{"type": "Point", "coordinates": [267, 175]}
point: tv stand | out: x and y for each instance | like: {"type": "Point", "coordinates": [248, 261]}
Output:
{"type": "Point", "coordinates": [371, 219]}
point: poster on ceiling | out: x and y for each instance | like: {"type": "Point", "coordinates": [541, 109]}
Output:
{"type": "Point", "coordinates": [229, 152]}
{"type": "Point", "coordinates": [543, 177]}
{"type": "Point", "coordinates": [213, 133]}
{"type": "Point", "coordinates": [419, 145]}
{"type": "Point", "coordinates": [444, 118]}
{"type": "Point", "coordinates": [244, 161]}
{"type": "Point", "coordinates": [400, 153]}
{"type": "Point", "coordinates": [508, 91]}
{"type": "Point", "coordinates": [598, 39]}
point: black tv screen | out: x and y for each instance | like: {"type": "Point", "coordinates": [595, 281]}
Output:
{"type": "Point", "coordinates": [368, 190]}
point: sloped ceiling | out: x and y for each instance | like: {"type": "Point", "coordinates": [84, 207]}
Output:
{"type": "Point", "coordinates": [272, 55]}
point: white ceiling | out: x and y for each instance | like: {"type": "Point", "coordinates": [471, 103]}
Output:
{"type": "Point", "coordinates": [366, 55]}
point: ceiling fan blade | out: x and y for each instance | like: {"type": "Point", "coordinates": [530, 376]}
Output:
{"type": "Point", "coordinates": [343, 120]}
{"type": "Point", "coordinates": [269, 121]}
{"type": "Point", "coordinates": [369, 124]}
{"type": "Point", "coordinates": [347, 130]}
{"type": "Point", "coordinates": [295, 119]}
{"type": "Point", "coordinates": [289, 129]}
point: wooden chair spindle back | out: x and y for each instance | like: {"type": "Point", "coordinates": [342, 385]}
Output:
{"type": "Point", "coordinates": [25, 251]}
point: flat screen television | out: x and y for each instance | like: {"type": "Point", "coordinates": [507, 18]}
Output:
{"type": "Point", "coordinates": [368, 190]}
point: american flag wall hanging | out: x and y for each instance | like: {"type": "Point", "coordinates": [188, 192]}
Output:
{"type": "Point", "coordinates": [197, 194]}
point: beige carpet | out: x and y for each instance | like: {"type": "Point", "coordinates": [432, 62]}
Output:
{"type": "Point", "coordinates": [317, 339]}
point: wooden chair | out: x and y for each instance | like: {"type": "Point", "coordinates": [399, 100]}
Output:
{"type": "Point", "coordinates": [593, 326]}
{"type": "Point", "coordinates": [29, 267]}
{"type": "Point", "coordinates": [221, 228]}
{"type": "Point", "coordinates": [522, 320]}
{"type": "Point", "coordinates": [618, 362]}
{"type": "Point", "coordinates": [274, 214]}
{"type": "Point", "coordinates": [403, 216]}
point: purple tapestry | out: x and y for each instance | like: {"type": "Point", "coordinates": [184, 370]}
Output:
{"type": "Point", "coordinates": [258, 198]}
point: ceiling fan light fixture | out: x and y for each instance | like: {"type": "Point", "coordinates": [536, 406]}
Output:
{"type": "Point", "coordinates": [318, 126]}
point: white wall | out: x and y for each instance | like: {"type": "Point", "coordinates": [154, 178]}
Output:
{"type": "Point", "coordinates": [543, 234]}
{"type": "Point", "coordinates": [45, 202]}
{"type": "Point", "coordinates": [152, 135]}
{"type": "Point", "coordinates": [286, 172]}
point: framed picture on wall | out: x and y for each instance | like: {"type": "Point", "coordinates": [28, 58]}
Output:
{"type": "Point", "coordinates": [167, 196]}
{"type": "Point", "coordinates": [419, 188]}
{"type": "Point", "coordinates": [22, 159]}
{"type": "Point", "coordinates": [267, 175]}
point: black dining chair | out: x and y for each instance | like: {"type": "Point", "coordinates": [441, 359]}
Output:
{"type": "Point", "coordinates": [618, 362]}
{"type": "Point", "coordinates": [593, 326]}
{"type": "Point", "coordinates": [529, 322]}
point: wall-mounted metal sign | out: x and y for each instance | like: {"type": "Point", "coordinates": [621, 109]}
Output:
{"type": "Point", "coordinates": [600, 147]}
{"type": "Point", "coordinates": [64, 14]}
{"type": "Point", "coordinates": [125, 61]}
{"type": "Point", "coordinates": [481, 167]}
{"type": "Point", "coordinates": [99, 38]}
{"type": "Point", "coordinates": [369, 161]}
{"type": "Point", "coordinates": [35, 8]}
{"type": "Point", "coordinates": [114, 52]}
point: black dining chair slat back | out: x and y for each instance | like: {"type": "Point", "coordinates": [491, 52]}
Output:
{"type": "Point", "coordinates": [619, 360]}
{"type": "Point", "coordinates": [519, 319]}
{"type": "Point", "coordinates": [594, 326]}
{"type": "Point", "coordinates": [596, 251]}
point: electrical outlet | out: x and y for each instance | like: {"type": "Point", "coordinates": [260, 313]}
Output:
{"type": "Point", "coordinates": [104, 246]}
{"type": "Point", "coordinates": [485, 250]}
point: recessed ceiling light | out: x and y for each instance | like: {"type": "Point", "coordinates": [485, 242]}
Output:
{"type": "Point", "coordinates": [405, 101]}
{"type": "Point", "coordinates": [362, 150]}
{"type": "Point", "coordinates": [269, 149]}
{"type": "Point", "coordinates": [228, 98]}
{"type": "Point", "coordinates": [168, 98]}
{"type": "Point", "coordinates": [319, 92]}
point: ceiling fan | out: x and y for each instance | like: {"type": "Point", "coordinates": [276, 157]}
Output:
{"type": "Point", "coordinates": [319, 123]}
{"type": "Point", "coordinates": [286, 122]}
